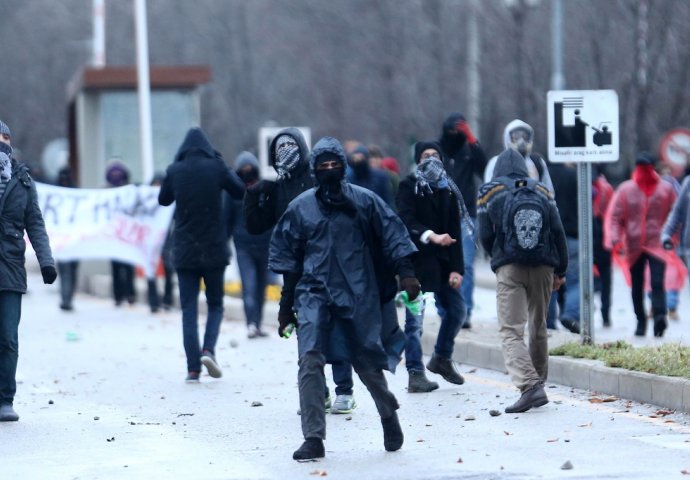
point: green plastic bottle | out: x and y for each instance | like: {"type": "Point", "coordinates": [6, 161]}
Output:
{"type": "Point", "coordinates": [416, 306]}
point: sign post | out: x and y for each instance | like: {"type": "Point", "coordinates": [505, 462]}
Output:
{"type": "Point", "coordinates": [583, 128]}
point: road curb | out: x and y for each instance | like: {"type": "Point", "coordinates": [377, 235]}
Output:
{"type": "Point", "coordinates": [668, 392]}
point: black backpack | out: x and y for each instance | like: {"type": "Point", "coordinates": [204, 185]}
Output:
{"type": "Point", "coordinates": [526, 223]}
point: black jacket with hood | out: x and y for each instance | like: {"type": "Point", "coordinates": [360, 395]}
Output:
{"type": "Point", "coordinates": [265, 202]}
{"type": "Point", "coordinates": [464, 162]}
{"type": "Point", "coordinates": [491, 199]}
{"type": "Point", "coordinates": [195, 181]}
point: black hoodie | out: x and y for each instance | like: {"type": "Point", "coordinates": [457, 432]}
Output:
{"type": "Point", "coordinates": [265, 202]}
{"type": "Point", "coordinates": [195, 181]}
{"type": "Point", "coordinates": [464, 162]}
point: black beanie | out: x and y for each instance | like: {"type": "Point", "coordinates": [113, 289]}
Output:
{"type": "Point", "coordinates": [645, 158]}
{"type": "Point", "coordinates": [419, 147]}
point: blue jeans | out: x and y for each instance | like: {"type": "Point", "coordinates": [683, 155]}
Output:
{"type": "Point", "coordinates": [469, 251]}
{"type": "Point", "coordinates": [451, 301]}
{"type": "Point", "coordinates": [253, 266]}
{"type": "Point", "coordinates": [571, 308]}
{"type": "Point", "coordinates": [189, 283]}
{"type": "Point", "coordinates": [342, 377]}
{"type": "Point", "coordinates": [10, 313]}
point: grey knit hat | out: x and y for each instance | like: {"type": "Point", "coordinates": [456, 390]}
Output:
{"type": "Point", "coordinates": [4, 129]}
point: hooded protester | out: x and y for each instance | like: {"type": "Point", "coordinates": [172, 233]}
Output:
{"type": "Point", "coordinates": [19, 213]}
{"type": "Point", "coordinates": [264, 203]}
{"type": "Point", "coordinates": [361, 173]}
{"type": "Point", "coordinates": [195, 182]}
{"type": "Point", "coordinates": [328, 238]}
{"type": "Point", "coordinates": [123, 273]}
{"type": "Point", "coordinates": [519, 136]}
{"type": "Point", "coordinates": [632, 230]}
{"type": "Point", "coordinates": [465, 162]}
{"type": "Point", "coordinates": [68, 270]}
{"type": "Point", "coordinates": [520, 227]}
{"type": "Point", "coordinates": [252, 250]}
{"type": "Point", "coordinates": [430, 205]}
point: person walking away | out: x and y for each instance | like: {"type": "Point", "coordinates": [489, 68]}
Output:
{"type": "Point", "coordinates": [429, 204]}
{"type": "Point", "coordinates": [520, 227]}
{"type": "Point", "coordinates": [68, 270]}
{"type": "Point", "coordinates": [117, 175]}
{"type": "Point", "coordinates": [465, 161]}
{"type": "Point", "coordinates": [19, 213]}
{"type": "Point", "coordinates": [325, 240]}
{"type": "Point", "coordinates": [195, 181]}
{"type": "Point", "coordinates": [632, 230]}
{"type": "Point", "coordinates": [251, 250]}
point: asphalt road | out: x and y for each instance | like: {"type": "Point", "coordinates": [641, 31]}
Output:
{"type": "Point", "coordinates": [102, 396]}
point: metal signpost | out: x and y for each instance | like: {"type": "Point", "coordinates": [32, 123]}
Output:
{"type": "Point", "coordinates": [583, 128]}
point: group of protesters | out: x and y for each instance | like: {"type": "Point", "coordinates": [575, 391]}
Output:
{"type": "Point", "coordinates": [348, 234]}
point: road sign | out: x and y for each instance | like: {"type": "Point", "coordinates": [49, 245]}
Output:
{"type": "Point", "coordinates": [674, 150]}
{"type": "Point", "coordinates": [266, 135]}
{"type": "Point", "coordinates": [583, 125]}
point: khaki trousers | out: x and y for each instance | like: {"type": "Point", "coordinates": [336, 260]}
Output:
{"type": "Point", "coordinates": [522, 298]}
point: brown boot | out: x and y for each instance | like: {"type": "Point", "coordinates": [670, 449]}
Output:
{"type": "Point", "coordinates": [418, 383]}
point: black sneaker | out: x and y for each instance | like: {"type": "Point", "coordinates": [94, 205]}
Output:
{"type": "Point", "coordinates": [393, 437]}
{"type": "Point", "coordinates": [310, 449]}
{"type": "Point", "coordinates": [7, 413]}
{"type": "Point", "coordinates": [192, 377]}
{"type": "Point", "coordinates": [209, 361]}
{"type": "Point", "coordinates": [531, 398]}
{"type": "Point", "coordinates": [446, 368]}
{"type": "Point", "coordinates": [660, 325]}
{"type": "Point", "coordinates": [570, 324]}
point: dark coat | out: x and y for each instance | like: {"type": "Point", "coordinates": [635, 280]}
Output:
{"type": "Point", "coordinates": [265, 202]}
{"type": "Point", "coordinates": [19, 212]}
{"type": "Point", "coordinates": [437, 212]}
{"type": "Point", "coordinates": [564, 180]}
{"type": "Point", "coordinates": [464, 163]}
{"type": "Point", "coordinates": [195, 181]}
{"type": "Point", "coordinates": [375, 180]}
{"type": "Point", "coordinates": [337, 297]}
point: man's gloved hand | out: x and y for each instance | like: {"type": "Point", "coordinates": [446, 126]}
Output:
{"type": "Point", "coordinates": [285, 319]}
{"type": "Point", "coordinates": [668, 245]}
{"type": "Point", "coordinates": [263, 186]}
{"type": "Point", "coordinates": [463, 127]}
{"type": "Point", "coordinates": [411, 286]}
{"type": "Point", "coordinates": [49, 274]}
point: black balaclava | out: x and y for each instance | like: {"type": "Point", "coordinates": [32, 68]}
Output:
{"type": "Point", "coordinates": [330, 185]}
{"type": "Point", "coordinates": [361, 168]}
{"type": "Point", "coordinates": [451, 139]}
{"type": "Point", "coordinates": [287, 155]}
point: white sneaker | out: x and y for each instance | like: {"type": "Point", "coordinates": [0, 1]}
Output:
{"type": "Point", "coordinates": [209, 361]}
{"type": "Point", "coordinates": [343, 404]}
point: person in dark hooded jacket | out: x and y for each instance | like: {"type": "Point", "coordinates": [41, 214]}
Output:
{"type": "Point", "coordinates": [195, 181]}
{"type": "Point", "coordinates": [527, 277]}
{"type": "Point", "coordinates": [264, 203]}
{"type": "Point", "coordinates": [252, 250]}
{"type": "Point", "coordinates": [361, 173]}
{"type": "Point", "coordinates": [430, 204]}
{"type": "Point", "coordinates": [19, 212]}
{"type": "Point", "coordinates": [465, 162]}
{"type": "Point", "coordinates": [328, 237]}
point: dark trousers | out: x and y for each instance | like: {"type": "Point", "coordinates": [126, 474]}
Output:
{"type": "Point", "coordinates": [10, 313]}
{"type": "Point", "coordinates": [189, 284]}
{"type": "Point", "coordinates": [311, 384]}
{"type": "Point", "coordinates": [253, 266]}
{"type": "Point", "coordinates": [657, 269]}
{"type": "Point", "coordinates": [602, 259]}
{"type": "Point", "coordinates": [123, 282]}
{"type": "Point", "coordinates": [68, 275]}
{"type": "Point", "coordinates": [154, 297]}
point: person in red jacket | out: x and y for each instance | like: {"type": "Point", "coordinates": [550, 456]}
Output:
{"type": "Point", "coordinates": [633, 225]}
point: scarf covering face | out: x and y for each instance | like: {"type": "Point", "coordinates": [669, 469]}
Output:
{"type": "Point", "coordinates": [5, 162]}
{"type": "Point", "coordinates": [430, 175]}
{"type": "Point", "coordinates": [287, 156]}
{"type": "Point", "coordinates": [646, 178]}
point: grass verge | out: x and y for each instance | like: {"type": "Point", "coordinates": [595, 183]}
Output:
{"type": "Point", "coordinates": [670, 359]}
